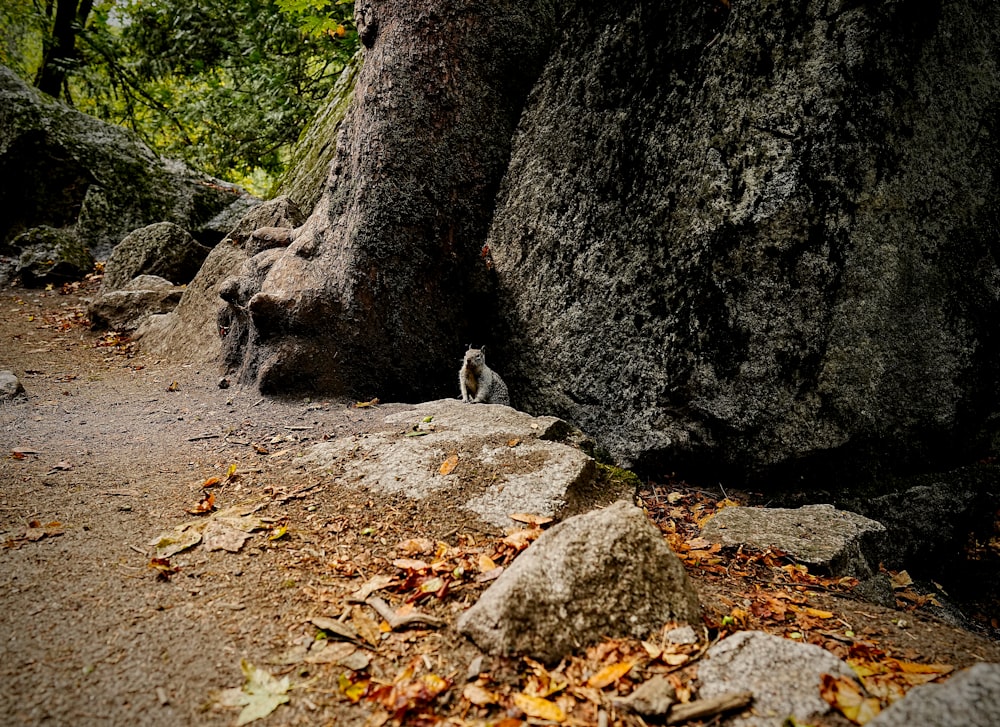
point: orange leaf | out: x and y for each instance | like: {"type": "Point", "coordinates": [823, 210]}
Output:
{"type": "Point", "coordinates": [816, 613]}
{"type": "Point", "coordinates": [448, 465]}
{"type": "Point", "coordinates": [847, 697]}
{"type": "Point", "coordinates": [485, 563]}
{"type": "Point", "coordinates": [206, 505]}
{"type": "Point", "coordinates": [539, 708]}
{"type": "Point", "coordinates": [211, 482]}
{"type": "Point", "coordinates": [609, 675]}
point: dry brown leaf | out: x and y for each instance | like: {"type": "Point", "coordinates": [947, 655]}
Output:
{"type": "Point", "coordinates": [530, 519]}
{"type": "Point", "coordinates": [415, 546]}
{"type": "Point", "coordinates": [448, 466]}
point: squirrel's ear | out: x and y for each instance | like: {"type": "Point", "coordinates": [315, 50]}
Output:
{"type": "Point", "coordinates": [483, 349]}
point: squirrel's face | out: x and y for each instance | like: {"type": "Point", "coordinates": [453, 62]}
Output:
{"type": "Point", "coordinates": [474, 357]}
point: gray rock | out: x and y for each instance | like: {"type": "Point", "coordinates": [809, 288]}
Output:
{"type": "Point", "coordinates": [10, 386]}
{"type": "Point", "coordinates": [605, 573]}
{"type": "Point", "coordinates": [192, 331]}
{"type": "Point", "coordinates": [126, 309]}
{"type": "Point", "coordinates": [63, 169]}
{"type": "Point", "coordinates": [50, 255]}
{"type": "Point", "coordinates": [783, 675]}
{"type": "Point", "coordinates": [162, 249]}
{"type": "Point", "coordinates": [492, 479]}
{"type": "Point", "coordinates": [759, 242]}
{"type": "Point", "coordinates": [217, 228]}
{"type": "Point", "coordinates": [971, 698]}
{"type": "Point", "coordinates": [836, 541]}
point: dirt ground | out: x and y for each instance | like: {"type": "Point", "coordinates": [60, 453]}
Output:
{"type": "Point", "coordinates": [110, 448]}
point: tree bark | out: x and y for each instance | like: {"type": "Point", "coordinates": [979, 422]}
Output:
{"type": "Point", "coordinates": [60, 51]}
{"type": "Point", "coordinates": [387, 280]}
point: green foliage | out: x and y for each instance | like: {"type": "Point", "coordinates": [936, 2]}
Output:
{"type": "Point", "coordinates": [226, 85]}
{"type": "Point", "coordinates": [23, 25]}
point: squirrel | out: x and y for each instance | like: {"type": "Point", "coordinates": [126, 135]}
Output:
{"type": "Point", "coordinates": [479, 383]}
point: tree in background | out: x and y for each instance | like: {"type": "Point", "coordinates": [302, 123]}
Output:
{"type": "Point", "coordinates": [226, 85]}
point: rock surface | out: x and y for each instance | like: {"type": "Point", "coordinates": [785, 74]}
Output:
{"type": "Point", "coordinates": [192, 331]}
{"type": "Point", "coordinates": [971, 698]}
{"type": "Point", "coordinates": [759, 242]}
{"type": "Point", "coordinates": [50, 255]}
{"type": "Point", "coordinates": [10, 386]}
{"type": "Point", "coordinates": [162, 249]}
{"type": "Point", "coordinates": [603, 574]}
{"type": "Point", "coordinates": [127, 308]}
{"type": "Point", "coordinates": [836, 541]}
{"type": "Point", "coordinates": [507, 461]}
{"type": "Point", "coordinates": [60, 168]}
{"type": "Point", "coordinates": [783, 675]}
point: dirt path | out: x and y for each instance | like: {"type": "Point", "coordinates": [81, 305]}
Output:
{"type": "Point", "coordinates": [109, 449]}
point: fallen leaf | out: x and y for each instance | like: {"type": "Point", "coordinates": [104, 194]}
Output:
{"type": "Point", "coordinates": [448, 466]}
{"type": "Point", "coordinates": [609, 675]}
{"type": "Point", "coordinates": [817, 613]}
{"type": "Point", "coordinates": [353, 690]}
{"type": "Point", "coordinates": [278, 533]}
{"type": "Point", "coordinates": [513, 442]}
{"type": "Point", "coordinates": [415, 546]}
{"type": "Point", "coordinates": [539, 708]}
{"type": "Point", "coordinates": [260, 694]}
{"type": "Point", "coordinates": [410, 564]}
{"type": "Point", "coordinates": [173, 386]}
{"type": "Point", "coordinates": [901, 580]}
{"type": "Point", "coordinates": [375, 583]}
{"type": "Point", "coordinates": [485, 563]}
{"type": "Point", "coordinates": [530, 519]}
{"type": "Point", "coordinates": [180, 538]}
{"type": "Point", "coordinates": [479, 695]}
{"type": "Point", "coordinates": [342, 653]}
{"type": "Point", "coordinates": [366, 404]}
{"type": "Point", "coordinates": [224, 535]}
{"type": "Point", "coordinates": [365, 625]}
{"type": "Point", "coordinates": [231, 472]}
{"type": "Point", "coordinates": [335, 628]}
{"type": "Point", "coordinates": [847, 697]}
{"type": "Point", "coordinates": [163, 568]}
{"type": "Point", "coordinates": [204, 506]}
{"type": "Point", "coordinates": [212, 482]}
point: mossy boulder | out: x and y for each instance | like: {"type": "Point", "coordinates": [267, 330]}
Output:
{"type": "Point", "coordinates": [60, 168]}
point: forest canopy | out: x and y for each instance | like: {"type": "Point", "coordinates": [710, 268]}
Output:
{"type": "Point", "coordinates": [226, 85]}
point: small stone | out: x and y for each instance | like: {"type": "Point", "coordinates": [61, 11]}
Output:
{"type": "Point", "coordinates": [223, 383]}
{"type": "Point", "coordinates": [10, 386]}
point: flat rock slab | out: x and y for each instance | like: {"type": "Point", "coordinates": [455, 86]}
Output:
{"type": "Point", "coordinates": [783, 675]}
{"type": "Point", "coordinates": [839, 542]}
{"type": "Point", "coordinates": [971, 698]}
{"type": "Point", "coordinates": [604, 573]}
{"type": "Point", "coordinates": [507, 461]}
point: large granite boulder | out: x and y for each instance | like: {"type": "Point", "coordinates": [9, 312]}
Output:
{"type": "Point", "coordinates": [162, 249]}
{"type": "Point", "coordinates": [63, 169]}
{"type": "Point", "coordinates": [760, 239]}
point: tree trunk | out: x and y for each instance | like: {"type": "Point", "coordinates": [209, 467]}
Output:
{"type": "Point", "coordinates": [60, 51]}
{"type": "Point", "coordinates": [387, 280]}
